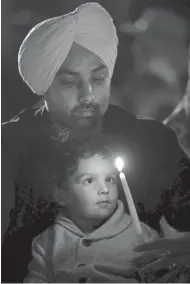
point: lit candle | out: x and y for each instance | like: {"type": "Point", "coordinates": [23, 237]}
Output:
{"type": "Point", "coordinates": [120, 164]}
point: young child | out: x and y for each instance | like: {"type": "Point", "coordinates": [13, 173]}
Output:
{"type": "Point", "coordinates": [92, 239]}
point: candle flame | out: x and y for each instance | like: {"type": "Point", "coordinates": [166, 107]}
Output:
{"type": "Point", "coordinates": [119, 163]}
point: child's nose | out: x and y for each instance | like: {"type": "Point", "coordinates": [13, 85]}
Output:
{"type": "Point", "coordinates": [103, 189]}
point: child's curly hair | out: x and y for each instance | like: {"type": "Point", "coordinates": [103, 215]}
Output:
{"type": "Point", "coordinates": [80, 148]}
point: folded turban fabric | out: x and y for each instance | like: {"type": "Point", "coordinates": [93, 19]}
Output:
{"type": "Point", "coordinates": [47, 45]}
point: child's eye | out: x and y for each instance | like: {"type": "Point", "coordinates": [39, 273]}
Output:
{"type": "Point", "coordinates": [88, 180]}
{"type": "Point", "coordinates": [111, 180]}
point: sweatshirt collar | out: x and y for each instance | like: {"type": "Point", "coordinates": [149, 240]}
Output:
{"type": "Point", "coordinates": [117, 223]}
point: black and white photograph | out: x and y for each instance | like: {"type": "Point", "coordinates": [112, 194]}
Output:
{"type": "Point", "coordinates": [95, 141]}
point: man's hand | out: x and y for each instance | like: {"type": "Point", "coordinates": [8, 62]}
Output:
{"type": "Point", "coordinates": [166, 259]}
{"type": "Point", "coordinates": [177, 243]}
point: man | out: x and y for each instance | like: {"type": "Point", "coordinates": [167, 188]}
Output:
{"type": "Point", "coordinates": [69, 61]}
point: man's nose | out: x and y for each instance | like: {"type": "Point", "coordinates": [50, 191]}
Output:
{"type": "Point", "coordinates": [103, 188]}
{"type": "Point", "coordinates": [86, 93]}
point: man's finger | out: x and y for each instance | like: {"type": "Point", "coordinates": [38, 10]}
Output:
{"type": "Point", "coordinates": [174, 243]}
{"type": "Point", "coordinates": [145, 259]}
{"type": "Point", "coordinates": [169, 276]}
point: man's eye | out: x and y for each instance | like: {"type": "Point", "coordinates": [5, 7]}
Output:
{"type": "Point", "coordinates": [111, 180]}
{"type": "Point", "coordinates": [68, 83]}
{"type": "Point", "coordinates": [98, 78]}
{"type": "Point", "coordinates": [88, 180]}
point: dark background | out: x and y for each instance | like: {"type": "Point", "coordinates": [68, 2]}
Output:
{"type": "Point", "coordinates": [19, 16]}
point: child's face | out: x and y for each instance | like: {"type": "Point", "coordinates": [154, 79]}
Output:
{"type": "Point", "coordinates": [92, 190]}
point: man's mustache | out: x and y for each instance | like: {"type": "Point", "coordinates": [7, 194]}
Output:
{"type": "Point", "coordinates": [94, 108]}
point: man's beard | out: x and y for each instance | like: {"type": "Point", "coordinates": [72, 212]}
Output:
{"type": "Point", "coordinates": [83, 120]}
{"type": "Point", "coordinates": [86, 116]}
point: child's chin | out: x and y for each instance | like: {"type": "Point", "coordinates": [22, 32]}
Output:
{"type": "Point", "coordinates": [105, 212]}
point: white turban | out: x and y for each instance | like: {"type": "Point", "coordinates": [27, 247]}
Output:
{"type": "Point", "coordinates": [47, 45]}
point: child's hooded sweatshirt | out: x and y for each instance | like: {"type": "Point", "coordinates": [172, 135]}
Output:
{"type": "Point", "coordinates": [63, 253]}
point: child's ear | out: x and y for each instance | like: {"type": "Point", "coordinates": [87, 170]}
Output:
{"type": "Point", "coordinates": [60, 195]}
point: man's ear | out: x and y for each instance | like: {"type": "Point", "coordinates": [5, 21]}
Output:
{"type": "Point", "coordinates": [60, 194]}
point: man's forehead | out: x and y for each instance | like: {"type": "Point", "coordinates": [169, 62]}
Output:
{"type": "Point", "coordinates": [64, 70]}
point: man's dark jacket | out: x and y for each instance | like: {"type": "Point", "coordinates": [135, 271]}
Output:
{"type": "Point", "coordinates": [157, 169]}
